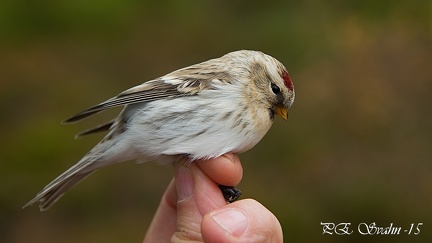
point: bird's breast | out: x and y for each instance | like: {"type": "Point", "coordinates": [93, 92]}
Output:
{"type": "Point", "coordinates": [197, 127]}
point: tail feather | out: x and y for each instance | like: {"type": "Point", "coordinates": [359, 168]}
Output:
{"type": "Point", "coordinates": [55, 189]}
{"type": "Point", "coordinates": [53, 195]}
{"type": "Point", "coordinates": [106, 152]}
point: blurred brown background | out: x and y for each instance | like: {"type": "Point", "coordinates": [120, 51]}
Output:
{"type": "Point", "coordinates": [357, 146]}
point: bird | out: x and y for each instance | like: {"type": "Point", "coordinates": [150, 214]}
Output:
{"type": "Point", "coordinates": [223, 105]}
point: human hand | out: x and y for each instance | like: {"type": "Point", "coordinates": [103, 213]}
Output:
{"type": "Point", "coordinates": [193, 208]}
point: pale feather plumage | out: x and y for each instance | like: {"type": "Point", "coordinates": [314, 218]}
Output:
{"type": "Point", "coordinates": [202, 111]}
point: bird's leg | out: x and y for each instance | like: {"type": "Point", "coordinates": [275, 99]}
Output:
{"type": "Point", "coordinates": [230, 193]}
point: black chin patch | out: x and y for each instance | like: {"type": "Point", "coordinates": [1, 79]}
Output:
{"type": "Point", "coordinates": [271, 114]}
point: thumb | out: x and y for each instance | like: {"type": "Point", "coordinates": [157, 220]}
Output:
{"type": "Point", "coordinates": [242, 221]}
{"type": "Point", "coordinates": [197, 195]}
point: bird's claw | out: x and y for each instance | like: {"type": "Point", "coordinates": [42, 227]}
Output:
{"type": "Point", "coordinates": [230, 193]}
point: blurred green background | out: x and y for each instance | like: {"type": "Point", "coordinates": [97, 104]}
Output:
{"type": "Point", "coordinates": [357, 147]}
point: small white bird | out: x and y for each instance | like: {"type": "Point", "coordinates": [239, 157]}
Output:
{"type": "Point", "coordinates": [223, 105]}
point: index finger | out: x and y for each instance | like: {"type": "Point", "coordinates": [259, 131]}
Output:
{"type": "Point", "coordinates": [225, 170]}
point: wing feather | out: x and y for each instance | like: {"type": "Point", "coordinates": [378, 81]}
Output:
{"type": "Point", "coordinates": [146, 92]}
{"type": "Point", "coordinates": [183, 82]}
{"type": "Point", "coordinates": [101, 128]}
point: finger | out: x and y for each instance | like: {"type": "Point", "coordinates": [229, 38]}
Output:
{"type": "Point", "coordinates": [164, 222]}
{"type": "Point", "coordinates": [242, 221]}
{"type": "Point", "coordinates": [197, 195]}
{"type": "Point", "coordinates": [225, 170]}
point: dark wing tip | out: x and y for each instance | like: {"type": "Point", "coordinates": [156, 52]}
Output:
{"type": "Point", "coordinates": [84, 114]}
{"type": "Point", "coordinates": [101, 128]}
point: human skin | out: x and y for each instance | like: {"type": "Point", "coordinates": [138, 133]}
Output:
{"type": "Point", "coordinates": [193, 208]}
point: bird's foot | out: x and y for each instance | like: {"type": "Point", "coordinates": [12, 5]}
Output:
{"type": "Point", "coordinates": [230, 193]}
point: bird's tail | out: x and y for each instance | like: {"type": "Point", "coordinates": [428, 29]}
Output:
{"type": "Point", "coordinates": [54, 190]}
{"type": "Point", "coordinates": [48, 196]}
{"type": "Point", "coordinates": [100, 155]}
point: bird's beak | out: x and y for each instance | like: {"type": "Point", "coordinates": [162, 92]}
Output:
{"type": "Point", "coordinates": [282, 112]}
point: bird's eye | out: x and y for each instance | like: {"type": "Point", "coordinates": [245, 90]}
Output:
{"type": "Point", "coordinates": [275, 89]}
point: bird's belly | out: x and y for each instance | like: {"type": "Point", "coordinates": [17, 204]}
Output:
{"type": "Point", "coordinates": [200, 132]}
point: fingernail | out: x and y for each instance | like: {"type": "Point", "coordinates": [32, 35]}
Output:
{"type": "Point", "coordinates": [229, 156]}
{"type": "Point", "coordinates": [184, 183]}
{"type": "Point", "coordinates": [234, 222]}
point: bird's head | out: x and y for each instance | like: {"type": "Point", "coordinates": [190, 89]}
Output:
{"type": "Point", "coordinates": [270, 80]}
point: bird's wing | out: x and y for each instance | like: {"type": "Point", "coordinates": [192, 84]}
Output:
{"type": "Point", "coordinates": [164, 87]}
{"type": "Point", "coordinates": [183, 82]}
{"type": "Point", "coordinates": [101, 128]}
